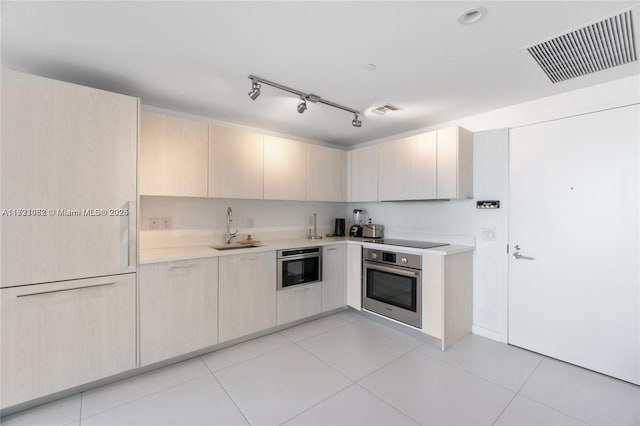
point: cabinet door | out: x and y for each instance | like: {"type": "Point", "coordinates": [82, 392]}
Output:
{"type": "Point", "coordinates": [247, 294]}
{"type": "Point", "coordinates": [178, 308]}
{"type": "Point", "coordinates": [354, 276]}
{"type": "Point", "coordinates": [455, 163]}
{"type": "Point", "coordinates": [334, 277]}
{"type": "Point", "coordinates": [326, 173]}
{"type": "Point", "coordinates": [285, 169]}
{"type": "Point", "coordinates": [407, 168]}
{"type": "Point", "coordinates": [59, 335]}
{"type": "Point", "coordinates": [66, 148]}
{"type": "Point", "coordinates": [299, 302]}
{"type": "Point", "coordinates": [235, 163]}
{"type": "Point", "coordinates": [173, 156]}
{"type": "Point", "coordinates": [364, 174]}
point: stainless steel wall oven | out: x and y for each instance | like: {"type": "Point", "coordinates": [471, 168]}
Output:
{"type": "Point", "coordinates": [392, 285]}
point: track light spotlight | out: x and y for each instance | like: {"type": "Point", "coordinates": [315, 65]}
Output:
{"type": "Point", "coordinates": [356, 121]}
{"type": "Point", "coordinates": [255, 90]}
{"type": "Point", "coordinates": [302, 105]}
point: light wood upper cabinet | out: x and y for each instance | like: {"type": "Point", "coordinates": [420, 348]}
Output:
{"type": "Point", "coordinates": [363, 174]}
{"type": "Point", "coordinates": [334, 277]}
{"type": "Point", "coordinates": [326, 174]}
{"type": "Point", "coordinates": [173, 156]}
{"type": "Point", "coordinates": [285, 169]}
{"type": "Point", "coordinates": [178, 308]}
{"type": "Point", "coordinates": [56, 336]}
{"type": "Point", "coordinates": [455, 163]}
{"type": "Point", "coordinates": [236, 163]}
{"type": "Point", "coordinates": [247, 294]}
{"type": "Point", "coordinates": [66, 147]}
{"type": "Point", "coordinates": [407, 168]}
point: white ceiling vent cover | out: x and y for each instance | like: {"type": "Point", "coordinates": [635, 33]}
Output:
{"type": "Point", "coordinates": [605, 44]}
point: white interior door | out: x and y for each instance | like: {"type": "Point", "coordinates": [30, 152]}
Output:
{"type": "Point", "coordinates": [574, 193]}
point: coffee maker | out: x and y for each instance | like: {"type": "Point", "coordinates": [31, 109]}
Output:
{"type": "Point", "coordinates": [356, 228]}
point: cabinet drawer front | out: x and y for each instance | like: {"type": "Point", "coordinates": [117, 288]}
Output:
{"type": "Point", "coordinates": [59, 335]}
{"type": "Point", "coordinates": [299, 302]}
{"type": "Point", "coordinates": [178, 308]}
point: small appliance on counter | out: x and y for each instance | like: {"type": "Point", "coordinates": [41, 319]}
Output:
{"type": "Point", "coordinates": [339, 228]}
{"type": "Point", "coordinates": [356, 228]}
{"type": "Point", "coordinates": [371, 230]}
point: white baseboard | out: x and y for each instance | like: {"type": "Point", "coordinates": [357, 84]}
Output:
{"type": "Point", "coordinates": [489, 334]}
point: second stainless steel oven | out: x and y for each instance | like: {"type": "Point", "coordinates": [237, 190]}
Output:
{"type": "Point", "coordinates": [392, 285]}
{"type": "Point", "coordinates": [299, 266]}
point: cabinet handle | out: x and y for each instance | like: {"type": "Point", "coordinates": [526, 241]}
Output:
{"type": "Point", "coordinates": [300, 290]}
{"type": "Point", "coordinates": [126, 226]}
{"type": "Point", "coordinates": [183, 265]}
{"type": "Point", "coordinates": [65, 289]}
{"type": "Point", "coordinates": [247, 259]}
{"type": "Point", "coordinates": [332, 249]}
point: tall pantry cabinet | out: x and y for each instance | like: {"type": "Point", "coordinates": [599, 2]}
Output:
{"type": "Point", "coordinates": [67, 235]}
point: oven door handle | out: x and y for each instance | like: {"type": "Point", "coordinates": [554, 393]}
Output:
{"type": "Point", "coordinates": [299, 257]}
{"type": "Point", "coordinates": [397, 271]}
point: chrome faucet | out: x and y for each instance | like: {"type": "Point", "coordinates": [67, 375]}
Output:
{"type": "Point", "coordinates": [229, 235]}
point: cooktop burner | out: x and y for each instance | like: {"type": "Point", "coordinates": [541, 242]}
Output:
{"type": "Point", "coordinates": [409, 243]}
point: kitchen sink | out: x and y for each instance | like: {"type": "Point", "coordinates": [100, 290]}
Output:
{"type": "Point", "coordinates": [233, 246]}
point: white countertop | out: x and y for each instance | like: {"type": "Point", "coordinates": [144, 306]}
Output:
{"type": "Point", "coordinates": [168, 254]}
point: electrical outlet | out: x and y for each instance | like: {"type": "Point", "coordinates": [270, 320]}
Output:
{"type": "Point", "coordinates": [154, 223]}
{"type": "Point", "coordinates": [489, 234]}
{"type": "Point", "coordinates": [165, 223]}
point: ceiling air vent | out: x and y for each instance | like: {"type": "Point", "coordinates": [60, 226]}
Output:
{"type": "Point", "coordinates": [382, 110]}
{"type": "Point", "coordinates": [605, 44]}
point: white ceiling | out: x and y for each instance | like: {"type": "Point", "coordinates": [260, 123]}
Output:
{"type": "Point", "coordinates": [195, 57]}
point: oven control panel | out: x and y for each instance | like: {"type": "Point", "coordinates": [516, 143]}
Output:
{"type": "Point", "coordinates": [407, 260]}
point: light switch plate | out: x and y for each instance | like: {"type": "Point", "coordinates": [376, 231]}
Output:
{"type": "Point", "coordinates": [489, 234]}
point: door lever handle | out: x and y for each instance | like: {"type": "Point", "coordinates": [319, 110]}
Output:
{"type": "Point", "coordinates": [517, 255]}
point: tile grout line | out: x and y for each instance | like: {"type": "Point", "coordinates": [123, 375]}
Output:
{"type": "Point", "coordinates": [545, 405]}
{"type": "Point", "coordinates": [146, 395]}
{"type": "Point", "coordinates": [315, 335]}
{"type": "Point", "coordinates": [388, 403]}
{"type": "Point", "coordinates": [248, 359]}
{"type": "Point", "coordinates": [81, 400]}
{"type": "Point", "coordinates": [229, 396]}
{"type": "Point", "coordinates": [504, 409]}
{"type": "Point", "coordinates": [530, 374]}
{"type": "Point", "coordinates": [476, 375]}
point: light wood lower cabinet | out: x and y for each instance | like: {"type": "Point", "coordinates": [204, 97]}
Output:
{"type": "Point", "coordinates": [299, 302]}
{"type": "Point", "coordinates": [354, 276]}
{"type": "Point", "coordinates": [60, 335]}
{"type": "Point", "coordinates": [247, 294]}
{"type": "Point", "coordinates": [334, 277]}
{"type": "Point", "coordinates": [178, 308]}
{"type": "Point", "coordinates": [447, 296]}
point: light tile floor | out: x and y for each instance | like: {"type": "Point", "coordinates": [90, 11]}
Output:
{"type": "Point", "coordinates": [346, 369]}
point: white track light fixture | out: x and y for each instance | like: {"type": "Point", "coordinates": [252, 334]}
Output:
{"type": "Point", "coordinates": [255, 90]}
{"type": "Point", "coordinates": [302, 105]}
{"type": "Point", "coordinates": [304, 97]}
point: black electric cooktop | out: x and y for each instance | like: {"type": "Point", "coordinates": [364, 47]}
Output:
{"type": "Point", "coordinates": [408, 243]}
